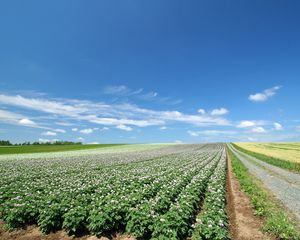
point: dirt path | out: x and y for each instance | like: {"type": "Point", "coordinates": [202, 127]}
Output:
{"type": "Point", "coordinates": [284, 185]}
{"type": "Point", "coordinates": [244, 225]}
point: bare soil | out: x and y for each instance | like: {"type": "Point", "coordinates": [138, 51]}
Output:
{"type": "Point", "coordinates": [243, 224]}
{"type": "Point", "coordinates": [33, 233]}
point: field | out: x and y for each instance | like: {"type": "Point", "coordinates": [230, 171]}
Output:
{"type": "Point", "coordinates": [49, 148]}
{"type": "Point", "coordinates": [144, 193]}
{"type": "Point", "coordinates": [285, 151]}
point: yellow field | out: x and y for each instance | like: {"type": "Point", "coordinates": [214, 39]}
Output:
{"type": "Point", "coordinates": [285, 151]}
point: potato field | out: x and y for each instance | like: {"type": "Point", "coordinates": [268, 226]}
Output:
{"type": "Point", "coordinates": [161, 192]}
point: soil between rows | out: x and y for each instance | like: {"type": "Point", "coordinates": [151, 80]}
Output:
{"type": "Point", "coordinates": [33, 233]}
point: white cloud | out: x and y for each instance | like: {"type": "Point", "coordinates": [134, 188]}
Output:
{"type": "Point", "coordinates": [163, 128]}
{"type": "Point", "coordinates": [201, 111]}
{"type": "Point", "coordinates": [246, 124]}
{"type": "Point", "coordinates": [197, 120]}
{"type": "Point", "coordinates": [49, 133]}
{"type": "Point", "coordinates": [124, 127]}
{"type": "Point", "coordinates": [124, 91]}
{"type": "Point", "coordinates": [178, 141]}
{"type": "Point", "coordinates": [10, 117]}
{"type": "Point", "coordinates": [210, 133]}
{"type": "Point", "coordinates": [219, 111]}
{"type": "Point", "coordinates": [74, 129]}
{"type": "Point", "coordinates": [26, 122]}
{"type": "Point", "coordinates": [121, 90]}
{"type": "Point", "coordinates": [86, 130]}
{"type": "Point", "coordinates": [59, 130]}
{"type": "Point", "coordinates": [104, 129]}
{"type": "Point", "coordinates": [18, 119]}
{"type": "Point", "coordinates": [65, 124]}
{"type": "Point", "coordinates": [263, 96]}
{"type": "Point", "coordinates": [109, 114]}
{"type": "Point", "coordinates": [277, 126]}
{"type": "Point", "coordinates": [81, 139]}
{"type": "Point", "coordinates": [93, 143]}
{"type": "Point", "coordinates": [43, 105]}
{"type": "Point", "coordinates": [258, 130]}
{"type": "Point", "coordinates": [42, 140]}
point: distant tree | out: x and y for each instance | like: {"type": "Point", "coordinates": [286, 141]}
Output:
{"type": "Point", "coordinates": [5, 143]}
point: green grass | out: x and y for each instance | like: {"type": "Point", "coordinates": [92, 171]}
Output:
{"type": "Point", "coordinates": [50, 148]}
{"type": "Point", "coordinates": [293, 166]}
{"type": "Point", "coordinates": [276, 221]}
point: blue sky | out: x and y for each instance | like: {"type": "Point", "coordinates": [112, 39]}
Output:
{"type": "Point", "coordinates": [150, 71]}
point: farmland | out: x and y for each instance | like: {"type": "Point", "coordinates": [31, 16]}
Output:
{"type": "Point", "coordinates": [284, 155]}
{"type": "Point", "coordinates": [49, 148]}
{"type": "Point", "coordinates": [147, 191]}
{"type": "Point", "coordinates": [284, 151]}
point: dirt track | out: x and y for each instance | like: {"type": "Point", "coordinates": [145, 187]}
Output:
{"type": "Point", "coordinates": [284, 185]}
{"type": "Point", "coordinates": [244, 225]}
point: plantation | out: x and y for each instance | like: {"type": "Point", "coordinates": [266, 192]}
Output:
{"type": "Point", "coordinates": [174, 192]}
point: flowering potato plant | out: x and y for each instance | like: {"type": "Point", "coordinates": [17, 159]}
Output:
{"type": "Point", "coordinates": [150, 192]}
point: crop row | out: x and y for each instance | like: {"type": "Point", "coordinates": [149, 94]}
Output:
{"type": "Point", "coordinates": [212, 222]}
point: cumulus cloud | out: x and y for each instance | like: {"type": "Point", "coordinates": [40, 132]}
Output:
{"type": "Point", "coordinates": [265, 95]}
{"type": "Point", "coordinates": [124, 127]}
{"type": "Point", "coordinates": [246, 124]}
{"type": "Point", "coordinates": [17, 119]}
{"type": "Point", "coordinates": [26, 122]}
{"type": "Point", "coordinates": [74, 129]}
{"type": "Point", "coordinates": [258, 130]}
{"type": "Point", "coordinates": [178, 142]}
{"type": "Point", "coordinates": [86, 130]}
{"type": "Point", "coordinates": [219, 111]}
{"type": "Point", "coordinates": [277, 126]}
{"type": "Point", "coordinates": [49, 133]}
{"type": "Point", "coordinates": [201, 111]}
{"type": "Point", "coordinates": [81, 139]}
{"type": "Point", "coordinates": [163, 128]}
